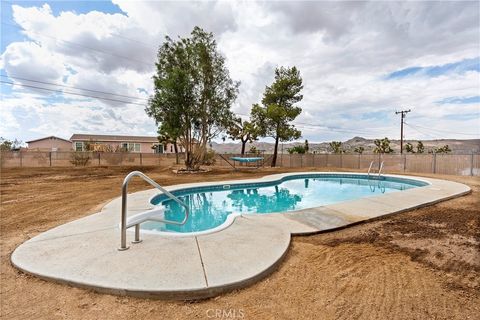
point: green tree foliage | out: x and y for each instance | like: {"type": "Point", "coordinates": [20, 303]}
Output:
{"type": "Point", "coordinates": [245, 131]}
{"type": "Point", "coordinates": [359, 150]}
{"type": "Point", "coordinates": [382, 146]}
{"type": "Point", "coordinates": [336, 147]}
{"type": "Point", "coordinates": [7, 145]}
{"type": "Point", "coordinates": [409, 148]}
{"type": "Point", "coordinates": [420, 147]}
{"type": "Point", "coordinates": [445, 149]}
{"type": "Point", "coordinates": [297, 149]}
{"type": "Point", "coordinates": [193, 92]}
{"type": "Point", "coordinates": [278, 108]}
{"type": "Point", "coordinates": [254, 150]}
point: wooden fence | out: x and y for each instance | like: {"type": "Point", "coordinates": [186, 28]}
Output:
{"type": "Point", "coordinates": [454, 164]}
{"type": "Point", "coordinates": [89, 159]}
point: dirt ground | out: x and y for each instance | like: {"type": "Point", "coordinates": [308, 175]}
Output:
{"type": "Point", "coordinates": [422, 264]}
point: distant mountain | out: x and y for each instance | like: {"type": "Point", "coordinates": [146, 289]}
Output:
{"type": "Point", "coordinates": [458, 146]}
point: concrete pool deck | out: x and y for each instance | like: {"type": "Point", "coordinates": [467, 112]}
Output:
{"type": "Point", "coordinates": [84, 252]}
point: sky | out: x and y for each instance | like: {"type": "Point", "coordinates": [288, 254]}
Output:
{"type": "Point", "coordinates": [360, 62]}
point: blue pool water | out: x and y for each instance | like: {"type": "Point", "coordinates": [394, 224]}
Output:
{"type": "Point", "coordinates": [211, 205]}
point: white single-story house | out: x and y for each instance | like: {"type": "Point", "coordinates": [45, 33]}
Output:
{"type": "Point", "coordinates": [51, 143]}
{"type": "Point", "coordinates": [106, 143]}
{"type": "Point", "coordinates": [143, 144]}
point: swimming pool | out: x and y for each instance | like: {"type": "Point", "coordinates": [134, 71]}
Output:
{"type": "Point", "coordinates": [211, 206]}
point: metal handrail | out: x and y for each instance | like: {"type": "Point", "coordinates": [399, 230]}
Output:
{"type": "Point", "coordinates": [379, 173]}
{"type": "Point", "coordinates": [124, 227]}
{"type": "Point", "coordinates": [380, 169]}
{"type": "Point", "coordinates": [370, 168]}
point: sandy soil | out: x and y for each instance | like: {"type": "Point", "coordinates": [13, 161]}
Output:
{"type": "Point", "coordinates": [423, 264]}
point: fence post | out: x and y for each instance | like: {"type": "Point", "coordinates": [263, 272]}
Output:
{"type": "Point", "coordinates": [471, 164]}
{"type": "Point", "coordinates": [326, 160]}
{"type": "Point", "coordinates": [434, 164]}
{"type": "Point", "coordinates": [301, 160]}
{"type": "Point", "coordinates": [99, 159]}
{"type": "Point", "coordinates": [341, 160]}
{"type": "Point", "coordinates": [404, 162]}
{"type": "Point", "coordinates": [141, 160]}
{"type": "Point", "coordinates": [359, 160]}
{"type": "Point", "coordinates": [50, 158]}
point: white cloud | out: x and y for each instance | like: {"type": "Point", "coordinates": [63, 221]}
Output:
{"type": "Point", "coordinates": [32, 60]}
{"type": "Point", "coordinates": [343, 50]}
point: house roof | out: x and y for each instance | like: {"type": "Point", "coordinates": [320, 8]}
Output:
{"type": "Point", "coordinates": [46, 138]}
{"type": "Point", "coordinates": [116, 138]}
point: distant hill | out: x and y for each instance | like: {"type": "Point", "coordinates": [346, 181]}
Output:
{"type": "Point", "coordinates": [457, 146]}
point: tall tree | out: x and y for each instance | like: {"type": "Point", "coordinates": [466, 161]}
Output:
{"type": "Point", "coordinates": [245, 131]}
{"type": "Point", "coordinates": [193, 92]}
{"type": "Point", "coordinates": [278, 108]}
{"type": "Point", "coordinates": [168, 134]}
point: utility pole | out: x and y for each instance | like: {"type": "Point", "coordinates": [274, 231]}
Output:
{"type": "Point", "coordinates": [403, 114]}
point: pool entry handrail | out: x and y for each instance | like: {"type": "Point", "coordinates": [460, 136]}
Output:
{"type": "Point", "coordinates": [124, 226]}
{"type": "Point", "coordinates": [380, 167]}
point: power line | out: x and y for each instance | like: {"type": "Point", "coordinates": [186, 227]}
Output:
{"type": "Point", "coordinates": [72, 87]}
{"type": "Point", "coordinates": [134, 40]}
{"type": "Point", "coordinates": [445, 131]}
{"type": "Point", "coordinates": [110, 33]}
{"type": "Point", "coordinates": [71, 93]}
{"type": "Point", "coordinates": [144, 105]}
{"type": "Point", "coordinates": [424, 133]}
{"type": "Point", "coordinates": [322, 127]}
{"type": "Point", "coordinates": [80, 45]}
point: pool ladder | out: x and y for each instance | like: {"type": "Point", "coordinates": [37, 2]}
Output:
{"type": "Point", "coordinates": [147, 215]}
{"type": "Point", "coordinates": [379, 177]}
{"type": "Point", "coordinates": [379, 173]}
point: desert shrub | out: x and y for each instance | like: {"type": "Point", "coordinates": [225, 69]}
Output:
{"type": "Point", "coordinates": [296, 149]}
{"type": "Point", "coordinates": [209, 158]}
{"type": "Point", "coordinates": [254, 150]}
{"type": "Point", "coordinates": [79, 158]}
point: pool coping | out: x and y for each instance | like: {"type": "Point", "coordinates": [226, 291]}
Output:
{"type": "Point", "coordinates": [83, 253]}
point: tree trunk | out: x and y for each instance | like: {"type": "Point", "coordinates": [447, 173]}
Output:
{"type": "Point", "coordinates": [243, 146]}
{"type": "Point", "coordinates": [175, 147]}
{"type": "Point", "coordinates": [274, 158]}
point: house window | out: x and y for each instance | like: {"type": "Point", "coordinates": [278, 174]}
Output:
{"type": "Point", "coordinates": [78, 146]}
{"type": "Point", "coordinates": [131, 147]}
